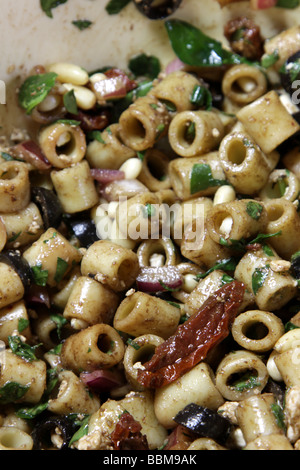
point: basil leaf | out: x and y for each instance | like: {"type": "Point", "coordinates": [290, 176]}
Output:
{"type": "Point", "coordinates": [114, 7]}
{"type": "Point", "coordinates": [22, 349]}
{"type": "Point", "coordinates": [69, 122]}
{"type": "Point", "coordinates": [226, 265]}
{"type": "Point", "coordinates": [60, 321]}
{"type": "Point", "coordinates": [48, 5]}
{"type": "Point", "coordinates": [258, 278]}
{"type": "Point", "coordinates": [82, 431]}
{"type": "Point", "coordinates": [132, 343]}
{"type": "Point", "coordinates": [70, 102]}
{"type": "Point", "coordinates": [61, 268]}
{"type": "Point", "coordinates": [287, 3]}
{"type": "Point", "coordinates": [82, 24]}
{"type": "Point", "coordinates": [144, 65]}
{"type": "Point", "coordinates": [202, 97]}
{"type": "Point", "coordinates": [194, 48]}
{"type": "Point", "coordinates": [23, 323]}
{"type": "Point", "coordinates": [254, 209]}
{"type": "Point", "coordinates": [264, 236]}
{"type": "Point", "coordinates": [40, 276]}
{"type": "Point", "coordinates": [11, 392]}
{"type": "Point", "coordinates": [32, 412]}
{"type": "Point", "coordinates": [202, 178]}
{"type": "Point", "coordinates": [269, 59]}
{"type": "Point", "coordinates": [249, 382]}
{"type": "Point", "coordinates": [279, 415]}
{"type": "Point", "coordinates": [35, 89]}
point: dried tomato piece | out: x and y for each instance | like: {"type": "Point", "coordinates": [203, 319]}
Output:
{"type": "Point", "coordinates": [194, 338]}
{"type": "Point", "coordinates": [127, 434]}
{"type": "Point", "coordinates": [244, 37]}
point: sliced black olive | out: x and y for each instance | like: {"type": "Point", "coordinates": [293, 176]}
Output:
{"type": "Point", "coordinates": [204, 422]}
{"type": "Point", "coordinates": [49, 206]}
{"type": "Point", "coordinates": [295, 262]}
{"type": "Point", "coordinates": [16, 261]}
{"type": "Point", "coordinates": [83, 228]}
{"type": "Point", "coordinates": [41, 433]}
{"type": "Point", "coordinates": [290, 72]}
{"type": "Point", "coordinates": [155, 10]}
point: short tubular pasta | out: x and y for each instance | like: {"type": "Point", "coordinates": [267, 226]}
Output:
{"type": "Point", "coordinates": [141, 313]}
{"type": "Point", "coordinates": [143, 123]}
{"type": "Point", "coordinates": [246, 167]}
{"type": "Point", "coordinates": [267, 278]}
{"type": "Point", "coordinates": [12, 438]}
{"type": "Point", "coordinates": [14, 186]}
{"type": "Point", "coordinates": [284, 223]}
{"type": "Point", "coordinates": [139, 351]}
{"type": "Point", "coordinates": [108, 152]}
{"type": "Point", "coordinates": [196, 386]}
{"type": "Point", "coordinates": [281, 184]}
{"type": "Point", "coordinates": [270, 442]}
{"type": "Point", "coordinates": [23, 227]}
{"type": "Point", "coordinates": [237, 364]}
{"type": "Point", "coordinates": [236, 220]}
{"type": "Point", "coordinates": [258, 120]}
{"type": "Point", "coordinates": [110, 264]}
{"type": "Point", "coordinates": [163, 246]}
{"type": "Point", "coordinates": [256, 418]}
{"type": "Point", "coordinates": [72, 396]}
{"type": "Point", "coordinates": [12, 287]}
{"type": "Point", "coordinates": [11, 317]}
{"type": "Point", "coordinates": [62, 144]}
{"type": "Point", "coordinates": [291, 161]}
{"type": "Point", "coordinates": [175, 90]}
{"type": "Point", "coordinates": [243, 84]}
{"type": "Point", "coordinates": [257, 331]}
{"type": "Point", "coordinates": [204, 443]}
{"type": "Point", "coordinates": [96, 347]}
{"type": "Point", "coordinates": [155, 170]}
{"type": "Point", "coordinates": [75, 187]}
{"type": "Point", "coordinates": [284, 44]}
{"type": "Point", "coordinates": [193, 133]}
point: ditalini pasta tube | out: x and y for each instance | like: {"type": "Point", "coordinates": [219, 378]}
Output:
{"type": "Point", "coordinates": [197, 176]}
{"type": "Point", "coordinates": [245, 166]}
{"type": "Point", "coordinates": [176, 90]}
{"type": "Point", "coordinates": [72, 396]}
{"type": "Point", "coordinates": [28, 374]}
{"type": "Point", "coordinates": [96, 347]}
{"type": "Point", "coordinates": [267, 277]}
{"type": "Point", "coordinates": [196, 386]}
{"type": "Point", "coordinates": [110, 264]}
{"type": "Point", "coordinates": [143, 123]}
{"type": "Point", "coordinates": [75, 187]}
{"type": "Point", "coordinates": [14, 186]}
{"type": "Point", "coordinates": [141, 313]}
{"type": "Point", "coordinates": [284, 44]}
{"type": "Point", "coordinates": [256, 418]}
{"type": "Point", "coordinates": [281, 183]}
{"type": "Point", "coordinates": [155, 170]}
{"type": "Point", "coordinates": [193, 133]}
{"type": "Point", "coordinates": [236, 220]}
{"type": "Point", "coordinates": [12, 288]}
{"type": "Point", "coordinates": [108, 152]}
{"type": "Point", "coordinates": [11, 317]}
{"type": "Point", "coordinates": [51, 257]}
{"type": "Point", "coordinates": [12, 438]}
{"type": "Point", "coordinates": [244, 83]}
{"type": "Point", "coordinates": [62, 144]}
{"type": "Point", "coordinates": [91, 302]}
{"type": "Point", "coordinates": [284, 221]}
{"type": "Point", "coordinates": [260, 121]}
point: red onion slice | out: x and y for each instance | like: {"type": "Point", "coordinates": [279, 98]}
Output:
{"type": "Point", "coordinates": [174, 66]}
{"type": "Point", "coordinates": [101, 380]}
{"type": "Point", "coordinates": [153, 280]}
{"type": "Point", "coordinates": [30, 152]}
{"type": "Point", "coordinates": [105, 176]}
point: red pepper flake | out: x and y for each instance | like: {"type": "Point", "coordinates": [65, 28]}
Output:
{"type": "Point", "coordinates": [127, 434]}
{"type": "Point", "coordinates": [194, 338]}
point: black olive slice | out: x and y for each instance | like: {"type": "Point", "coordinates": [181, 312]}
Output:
{"type": "Point", "coordinates": [295, 262]}
{"type": "Point", "coordinates": [49, 206]}
{"type": "Point", "coordinates": [204, 422]}
{"type": "Point", "coordinates": [15, 260]}
{"type": "Point", "coordinates": [155, 10]}
{"type": "Point", "coordinates": [41, 433]}
{"type": "Point", "coordinates": [290, 73]}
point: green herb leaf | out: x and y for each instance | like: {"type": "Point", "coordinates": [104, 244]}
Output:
{"type": "Point", "coordinates": [61, 268]}
{"type": "Point", "coordinates": [194, 48]}
{"type": "Point", "coordinates": [11, 392]}
{"type": "Point", "coordinates": [48, 5]}
{"type": "Point", "coordinates": [254, 209]}
{"type": "Point", "coordinates": [264, 236]}
{"type": "Point", "coordinates": [226, 264]}
{"type": "Point", "coordinates": [40, 276]}
{"type": "Point", "coordinates": [82, 24]}
{"type": "Point", "coordinates": [202, 97]}
{"type": "Point", "coordinates": [287, 4]}
{"type": "Point", "coordinates": [22, 349]}
{"type": "Point", "coordinates": [35, 89]}
{"type": "Point", "coordinates": [114, 7]}
{"type": "Point", "coordinates": [70, 102]}
{"type": "Point", "coordinates": [246, 383]}
{"type": "Point", "coordinates": [279, 415]}
{"type": "Point", "coordinates": [69, 122]}
{"type": "Point", "coordinates": [133, 344]}
{"type": "Point", "coordinates": [23, 323]}
{"type": "Point", "coordinates": [270, 59]}
{"type": "Point", "coordinates": [60, 322]}
{"type": "Point", "coordinates": [202, 178]}
{"type": "Point", "coordinates": [144, 65]}
{"type": "Point", "coordinates": [82, 431]}
{"type": "Point", "coordinates": [258, 278]}
{"type": "Point", "coordinates": [14, 237]}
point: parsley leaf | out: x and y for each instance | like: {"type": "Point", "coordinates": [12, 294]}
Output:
{"type": "Point", "coordinates": [35, 89]}
{"type": "Point", "coordinates": [202, 178]}
{"type": "Point", "coordinates": [82, 24]}
{"type": "Point", "coordinates": [40, 276]}
{"type": "Point", "coordinates": [48, 5]}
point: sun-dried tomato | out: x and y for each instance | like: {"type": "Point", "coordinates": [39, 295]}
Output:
{"type": "Point", "coordinates": [127, 434]}
{"type": "Point", "coordinates": [194, 338]}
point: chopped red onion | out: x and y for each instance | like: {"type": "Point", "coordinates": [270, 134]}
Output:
{"type": "Point", "coordinates": [105, 176]}
{"type": "Point", "coordinates": [30, 152]}
{"type": "Point", "coordinates": [101, 380]}
{"type": "Point", "coordinates": [162, 279]}
{"type": "Point", "coordinates": [174, 66]}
